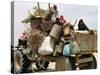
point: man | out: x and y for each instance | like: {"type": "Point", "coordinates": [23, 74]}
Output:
{"type": "Point", "coordinates": [52, 14]}
{"type": "Point", "coordinates": [55, 11]}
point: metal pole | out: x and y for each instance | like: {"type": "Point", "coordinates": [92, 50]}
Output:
{"type": "Point", "coordinates": [38, 7]}
{"type": "Point", "coordinates": [75, 23]}
{"type": "Point", "coordinates": [40, 15]}
{"type": "Point", "coordinates": [49, 6]}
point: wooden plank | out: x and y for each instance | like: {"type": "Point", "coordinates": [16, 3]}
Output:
{"type": "Point", "coordinates": [86, 42]}
{"type": "Point", "coordinates": [84, 60]}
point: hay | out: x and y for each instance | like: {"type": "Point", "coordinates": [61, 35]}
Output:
{"type": "Point", "coordinates": [35, 39]}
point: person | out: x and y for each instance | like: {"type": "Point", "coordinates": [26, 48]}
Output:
{"type": "Point", "coordinates": [68, 33]}
{"type": "Point", "coordinates": [22, 41]}
{"type": "Point", "coordinates": [52, 14]}
{"type": "Point", "coordinates": [69, 39]}
{"type": "Point", "coordinates": [62, 20]}
{"type": "Point", "coordinates": [82, 26]}
{"type": "Point", "coordinates": [57, 21]}
{"type": "Point", "coordinates": [55, 11]}
{"type": "Point", "coordinates": [50, 19]}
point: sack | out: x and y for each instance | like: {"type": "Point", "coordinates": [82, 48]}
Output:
{"type": "Point", "coordinates": [47, 46]}
{"type": "Point", "coordinates": [66, 50]}
{"type": "Point", "coordinates": [71, 48]}
{"type": "Point", "coordinates": [74, 47]}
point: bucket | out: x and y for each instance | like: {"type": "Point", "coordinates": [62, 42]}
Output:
{"type": "Point", "coordinates": [56, 31]}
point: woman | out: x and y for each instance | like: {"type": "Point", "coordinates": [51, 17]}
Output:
{"type": "Point", "coordinates": [82, 26]}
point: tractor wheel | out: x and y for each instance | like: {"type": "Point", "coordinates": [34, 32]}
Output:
{"type": "Point", "coordinates": [42, 64]}
{"type": "Point", "coordinates": [89, 65]}
{"type": "Point", "coordinates": [21, 62]}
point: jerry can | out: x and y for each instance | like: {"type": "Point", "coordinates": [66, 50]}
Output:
{"type": "Point", "coordinates": [47, 46]}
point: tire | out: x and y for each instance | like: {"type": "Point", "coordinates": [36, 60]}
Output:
{"type": "Point", "coordinates": [42, 64]}
{"type": "Point", "coordinates": [89, 65]}
{"type": "Point", "coordinates": [21, 62]}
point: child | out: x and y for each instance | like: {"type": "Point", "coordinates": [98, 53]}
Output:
{"type": "Point", "coordinates": [70, 46]}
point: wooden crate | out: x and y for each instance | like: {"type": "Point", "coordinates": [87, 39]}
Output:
{"type": "Point", "coordinates": [87, 43]}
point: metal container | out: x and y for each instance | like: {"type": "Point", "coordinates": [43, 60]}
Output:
{"type": "Point", "coordinates": [56, 31]}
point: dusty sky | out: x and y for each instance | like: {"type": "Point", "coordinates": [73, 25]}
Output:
{"type": "Point", "coordinates": [70, 12]}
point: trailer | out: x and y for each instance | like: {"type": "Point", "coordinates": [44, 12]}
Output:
{"type": "Point", "coordinates": [83, 60]}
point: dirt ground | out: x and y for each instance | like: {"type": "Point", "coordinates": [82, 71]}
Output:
{"type": "Point", "coordinates": [53, 64]}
